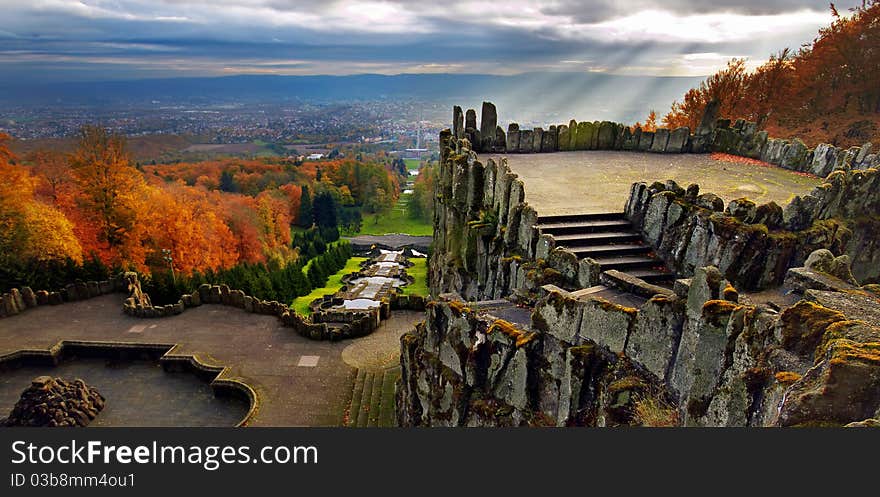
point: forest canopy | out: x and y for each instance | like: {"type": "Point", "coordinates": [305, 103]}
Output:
{"type": "Point", "coordinates": [95, 206]}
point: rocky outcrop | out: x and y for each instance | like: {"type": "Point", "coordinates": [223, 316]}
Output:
{"type": "Point", "coordinates": [697, 357]}
{"type": "Point", "coordinates": [751, 244]}
{"type": "Point", "coordinates": [55, 402]}
{"type": "Point", "coordinates": [486, 245]}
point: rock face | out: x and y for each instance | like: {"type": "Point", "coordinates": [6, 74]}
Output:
{"type": "Point", "coordinates": [486, 243]}
{"type": "Point", "coordinates": [694, 358]}
{"type": "Point", "coordinates": [754, 245]}
{"type": "Point", "coordinates": [55, 402]}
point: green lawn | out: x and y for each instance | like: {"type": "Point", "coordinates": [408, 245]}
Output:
{"type": "Point", "coordinates": [419, 272]}
{"type": "Point", "coordinates": [334, 283]}
{"type": "Point", "coordinates": [395, 220]}
{"type": "Point", "coordinates": [412, 164]}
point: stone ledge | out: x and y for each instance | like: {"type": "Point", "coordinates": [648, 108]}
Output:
{"type": "Point", "coordinates": [633, 285]}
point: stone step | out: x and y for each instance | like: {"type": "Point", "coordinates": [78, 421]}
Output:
{"type": "Point", "coordinates": [632, 284]}
{"type": "Point", "coordinates": [628, 262]}
{"type": "Point", "coordinates": [600, 238]}
{"type": "Point", "coordinates": [657, 276]}
{"type": "Point", "coordinates": [375, 400]}
{"type": "Point", "coordinates": [568, 218]}
{"type": "Point", "coordinates": [357, 394]}
{"type": "Point", "coordinates": [584, 226]}
{"type": "Point", "coordinates": [363, 414]}
{"type": "Point", "coordinates": [595, 251]}
{"type": "Point", "coordinates": [387, 406]}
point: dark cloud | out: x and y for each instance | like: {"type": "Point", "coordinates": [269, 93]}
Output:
{"type": "Point", "coordinates": [130, 38]}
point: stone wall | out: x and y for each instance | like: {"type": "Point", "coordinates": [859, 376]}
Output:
{"type": "Point", "coordinates": [741, 138]}
{"type": "Point", "coordinates": [485, 242]}
{"type": "Point", "coordinates": [316, 329]}
{"type": "Point", "coordinates": [693, 357]}
{"type": "Point", "coordinates": [754, 245]}
{"type": "Point", "coordinates": [17, 300]}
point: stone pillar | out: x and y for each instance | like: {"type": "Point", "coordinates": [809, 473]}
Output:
{"type": "Point", "coordinates": [457, 122]}
{"type": "Point", "coordinates": [513, 138]}
{"type": "Point", "coordinates": [488, 123]}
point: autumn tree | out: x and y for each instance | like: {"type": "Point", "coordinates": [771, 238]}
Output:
{"type": "Point", "coordinates": [110, 191]}
{"type": "Point", "coordinates": [30, 230]}
{"type": "Point", "coordinates": [827, 91]}
{"type": "Point", "coordinates": [650, 121]}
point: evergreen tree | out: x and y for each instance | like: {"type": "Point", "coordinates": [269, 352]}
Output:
{"type": "Point", "coordinates": [227, 182]}
{"type": "Point", "coordinates": [306, 218]}
{"type": "Point", "coordinates": [324, 207]}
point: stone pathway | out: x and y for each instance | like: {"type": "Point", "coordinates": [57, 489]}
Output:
{"type": "Point", "coordinates": [299, 382]}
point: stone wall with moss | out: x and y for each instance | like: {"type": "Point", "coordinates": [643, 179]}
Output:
{"type": "Point", "coordinates": [485, 242]}
{"type": "Point", "coordinates": [693, 357]}
{"type": "Point", "coordinates": [754, 245]}
{"type": "Point", "coordinates": [739, 137]}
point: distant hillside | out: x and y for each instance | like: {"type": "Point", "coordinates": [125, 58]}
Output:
{"type": "Point", "coordinates": [537, 96]}
{"type": "Point", "coordinates": [142, 148]}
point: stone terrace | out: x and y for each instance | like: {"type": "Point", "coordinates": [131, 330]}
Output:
{"type": "Point", "coordinates": [587, 182]}
{"type": "Point", "coordinates": [299, 382]}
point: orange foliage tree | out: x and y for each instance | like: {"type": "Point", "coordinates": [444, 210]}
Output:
{"type": "Point", "coordinates": [829, 90]}
{"type": "Point", "coordinates": [30, 229]}
{"type": "Point", "coordinates": [110, 190]}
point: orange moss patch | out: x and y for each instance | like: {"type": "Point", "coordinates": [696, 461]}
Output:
{"type": "Point", "coordinates": [609, 306]}
{"type": "Point", "coordinates": [847, 351]}
{"type": "Point", "coordinates": [787, 377]}
{"type": "Point", "coordinates": [521, 337]}
{"type": "Point", "coordinates": [804, 324]}
{"type": "Point", "coordinates": [459, 308]}
{"type": "Point", "coordinates": [719, 307]}
{"type": "Point", "coordinates": [730, 293]}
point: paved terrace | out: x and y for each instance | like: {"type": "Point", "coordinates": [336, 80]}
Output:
{"type": "Point", "coordinates": [299, 382]}
{"type": "Point", "coordinates": [587, 182]}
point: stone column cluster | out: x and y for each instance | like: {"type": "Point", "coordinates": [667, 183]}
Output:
{"type": "Point", "coordinates": [742, 138]}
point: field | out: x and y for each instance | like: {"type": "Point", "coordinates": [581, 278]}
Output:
{"type": "Point", "coordinates": [419, 272]}
{"type": "Point", "coordinates": [412, 164]}
{"type": "Point", "coordinates": [395, 220]}
{"type": "Point", "coordinates": [334, 283]}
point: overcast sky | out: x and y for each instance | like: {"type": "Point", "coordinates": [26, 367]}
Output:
{"type": "Point", "coordinates": [103, 39]}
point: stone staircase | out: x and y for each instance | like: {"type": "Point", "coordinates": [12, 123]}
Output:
{"type": "Point", "coordinates": [611, 241]}
{"type": "Point", "coordinates": [372, 399]}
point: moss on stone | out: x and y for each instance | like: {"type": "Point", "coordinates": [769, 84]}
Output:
{"type": "Point", "coordinates": [627, 383]}
{"type": "Point", "coordinates": [521, 337]}
{"type": "Point", "coordinates": [608, 306]}
{"type": "Point", "coordinates": [804, 324]}
{"type": "Point", "coordinates": [459, 308]}
{"type": "Point", "coordinates": [730, 294]}
{"type": "Point", "coordinates": [787, 377]}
